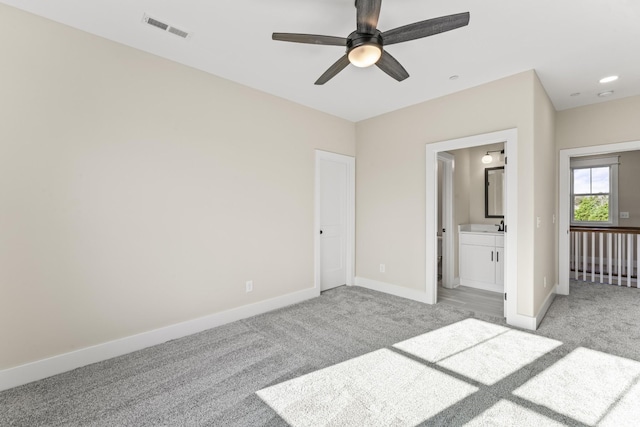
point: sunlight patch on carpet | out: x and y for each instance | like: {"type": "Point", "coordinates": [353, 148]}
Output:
{"type": "Point", "coordinates": [437, 345]}
{"type": "Point", "coordinates": [626, 412]}
{"type": "Point", "coordinates": [479, 350]}
{"type": "Point", "coordinates": [379, 388]}
{"type": "Point", "coordinates": [588, 386]}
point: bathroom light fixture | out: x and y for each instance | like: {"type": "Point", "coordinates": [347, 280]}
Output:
{"type": "Point", "coordinates": [488, 158]}
{"type": "Point", "coordinates": [609, 79]}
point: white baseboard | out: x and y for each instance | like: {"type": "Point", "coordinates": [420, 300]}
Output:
{"type": "Point", "coordinates": [545, 306]}
{"type": "Point", "coordinates": [522, 321]}
{"type": "Point", "coordinates": [388, 288]}
{"type": "Point", "coordinates": [44, 368]}
{"type": "Point", "coordinates": [532, 323]}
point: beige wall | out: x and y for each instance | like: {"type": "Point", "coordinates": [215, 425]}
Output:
{"type": "Point", "coordinates": [390, 211]}
{"type": "Point", "coordinates": [545, 199]}
{"type": "Point", "coordinates": [628, 193]}
{"type": "Point", "coordinates": [138, 193]}
{"type": "Point", "coordinates": [461, 200]}
{"type": "Point", "coordinates": [598, 124]}
{"type": "Point", "coordinates": [476, 181]}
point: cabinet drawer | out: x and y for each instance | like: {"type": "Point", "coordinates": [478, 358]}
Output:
{"type": "Point", "coordinates": [477, 239]}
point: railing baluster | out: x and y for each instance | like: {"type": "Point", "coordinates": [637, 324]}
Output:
{"type": "Point", "coordinates": [601, 255]}
{"type": "Point", "coordinates": [629, 258]}
{"type": "Point", "coordinates": [585, 245]}
{"type": "Point", "coordinates": [572, 249]}
{"type": "Point", "coordinates": [576, 256]}
{"type": "Point", "coordinates": [623, 266]}
{"type": "Point", "coordinates": [619, 258]}
{"type": "Point", "coordinates": [610, 258]}
{"type": "Point", "coordinates": [593, 257]}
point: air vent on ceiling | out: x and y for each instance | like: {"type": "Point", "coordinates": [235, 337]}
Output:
{"type": "Point", "coordinates": [165, 27]}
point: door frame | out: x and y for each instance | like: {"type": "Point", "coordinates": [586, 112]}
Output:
{"type": "Point", "coordinates": [564, 201]}
{"type": "Point", "coordinates": [448, 253]}
{"type": "Point", "coordinates": [350, 214]}
{"type": "Point", "coordinates": [510, 139]}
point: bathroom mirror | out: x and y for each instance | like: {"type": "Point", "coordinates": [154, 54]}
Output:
{"type": "Point", "coordinates": [493, 192]}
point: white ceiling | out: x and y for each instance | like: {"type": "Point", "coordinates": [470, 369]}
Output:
{"type": "Point", "coordinates": [570, 43]}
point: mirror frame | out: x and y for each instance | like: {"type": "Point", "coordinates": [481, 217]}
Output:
{"type": "Point", "coordinates": [486, 193]}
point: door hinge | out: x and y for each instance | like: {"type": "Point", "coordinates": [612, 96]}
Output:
{"type": "Point", "coordinates": [505, 160]}
{"type": "Point", "coordinates": [505, 228]}
{"type": "Point", "coordinates": [505, 296]}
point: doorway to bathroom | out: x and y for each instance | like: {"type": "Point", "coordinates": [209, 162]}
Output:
{"type": "Point", "coordinates": [443, 245]}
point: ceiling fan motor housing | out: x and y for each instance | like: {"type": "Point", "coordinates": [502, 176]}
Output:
{"type": "Point", "coordinates": [357, 39]}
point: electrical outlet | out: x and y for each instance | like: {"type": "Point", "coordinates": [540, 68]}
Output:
{"type": "Point", "coordinates": [624, 215]}
{"type": "Point", "coordinates": [545, 281]}
{"type": "Point", "coordinates": [382, 268]}
{"type": "Point", "coordinates": [249, 286]}
{"type": "Point", "coordinates": [538, 222]}
{"type": "Point", "coordinates": [554, 218]}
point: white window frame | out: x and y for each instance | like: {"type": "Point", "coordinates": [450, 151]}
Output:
{"type": "Point", "coordinates": [612, 162]}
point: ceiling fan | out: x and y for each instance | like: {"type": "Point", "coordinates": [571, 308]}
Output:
{"type": "Point", "coordinates": [365, 44]}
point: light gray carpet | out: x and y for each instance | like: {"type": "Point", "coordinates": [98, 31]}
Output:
{"type": "Point", "coordinates": [212, 378]}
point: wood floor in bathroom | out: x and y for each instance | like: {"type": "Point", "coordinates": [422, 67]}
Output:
{"type": "Point", "coordinates": [479, 300]}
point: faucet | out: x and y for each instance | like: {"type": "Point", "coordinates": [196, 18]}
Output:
{"type": "Point", "coordinates": [500, 226]}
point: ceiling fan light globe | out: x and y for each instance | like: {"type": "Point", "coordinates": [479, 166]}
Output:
{"type": "Point", "coordinates": [365, 55]}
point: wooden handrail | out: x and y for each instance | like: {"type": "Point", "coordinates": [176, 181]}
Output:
{"type": "Point", "coordinates": [602, 229]}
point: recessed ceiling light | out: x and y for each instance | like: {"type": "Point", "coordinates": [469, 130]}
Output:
{"type": "Point", "coordinates": [609, 79]}
{"type": "Point", "coordinates": [454, 77]}
{"type": "Point", "coordinates": [575, 94]}
{"type": "Point", "coordinates": [604, 94]}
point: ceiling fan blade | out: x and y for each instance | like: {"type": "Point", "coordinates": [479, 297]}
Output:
{"type": "Point", "coordinates": [391, 66]}
{"type": "Point", "coordinates": [338, 66]}
{"type": "Point", "coordinates": [310, 39]}
{"type": "Point", "coordinates": [426, 28]}
{"type": "Point", "coordinates": [368, 12]}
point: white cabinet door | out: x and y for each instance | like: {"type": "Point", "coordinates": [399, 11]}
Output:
{"type": "Point", "coordinates": [499, 266]}
{"type": "Point", "coordinates": [477, 263]}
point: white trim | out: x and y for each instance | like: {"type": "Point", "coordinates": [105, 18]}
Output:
{"type": "Point", "coordinates": [564, 201]}
{"type": "Point", "coordinates": [523, 322]}
{"type": "Point", "coordinates": [388, 288]}
{"type": "Point", "coordinates": [545, 306]}
{"type": "Point", "coordinates": [578, 163]}
{"type": "Point", "coordinates": [350, 262]}
{"type": "Point", "coordinates": [44, 368]}
{"type": "Point", "coordinates": [510, 139]}
{"type": "Point", "coordinates": [448, 252]}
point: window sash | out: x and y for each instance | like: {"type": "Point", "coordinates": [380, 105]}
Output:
{"type": "Point", "coordinates": [612, 164]}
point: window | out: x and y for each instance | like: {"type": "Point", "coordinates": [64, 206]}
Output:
{"type": "Point", "coordinates": [594, 188]}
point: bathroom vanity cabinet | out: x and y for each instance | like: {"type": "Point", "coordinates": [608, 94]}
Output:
{"type": "Point", "coordinates": [481, 259]}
